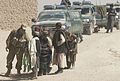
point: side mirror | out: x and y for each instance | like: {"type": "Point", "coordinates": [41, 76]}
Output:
{"type": "Point", "coordinates": [33, 20]}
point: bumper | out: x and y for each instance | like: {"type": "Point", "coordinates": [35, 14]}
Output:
{"type": "Point", "coordinates": [86, 25]}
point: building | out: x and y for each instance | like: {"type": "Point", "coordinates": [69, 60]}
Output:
{"type": "Point", "coordinates": [15, 12]}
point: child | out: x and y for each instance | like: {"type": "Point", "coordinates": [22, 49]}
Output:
{"type": "Point", "coordinates": [71, 57]}
{"type": "Point", "coordinates": [34, 49]}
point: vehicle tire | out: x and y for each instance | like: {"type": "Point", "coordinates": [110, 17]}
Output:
{"type": "Point", "coordinates": [90, 30]}
{"type": "Point", "coordinates": [96, 29]}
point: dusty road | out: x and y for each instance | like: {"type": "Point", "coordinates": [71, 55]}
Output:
{"type": "Point", "coordinates": [98, 60]}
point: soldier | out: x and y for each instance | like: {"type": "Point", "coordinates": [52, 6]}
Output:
{"type": "Point", "coordinates": [16, 44]}
{"type": "Point", "coordinates": [111, 19]}
{"type": "Point", "coordinates": [59, 43]}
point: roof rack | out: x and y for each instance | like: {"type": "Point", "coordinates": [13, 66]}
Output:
{"type": "Point", "coordinates": [86, 3]}
{"type": "Point", "coordinates": [76, 3]}
{"type": "Point", "coordinates": [53, 7]}
{"type": "Point", "coordinates": [61, 7]}
{"type": "Point", "coordinates": [114, 4]}
{"type": "Point", "coordinates": [49, 7]}
{"type": "Point", "coordinates": [76, 7]}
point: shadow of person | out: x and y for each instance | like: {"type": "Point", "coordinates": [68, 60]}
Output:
{"type": "Point", "coordinates": [3, 75]}
{"type": "Point", "coordinates": [51, 74]}
{"type": "Point", "coordinates": [16, 77]}
{"type": "Point", "coordinates": [25, 76]}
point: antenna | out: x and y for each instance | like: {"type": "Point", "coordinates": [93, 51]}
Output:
{"type": "Point", "coordinates": [96, 2]}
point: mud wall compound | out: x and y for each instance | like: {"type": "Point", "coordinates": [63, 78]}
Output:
{"type": "Point", "coordinates": [15, 12]}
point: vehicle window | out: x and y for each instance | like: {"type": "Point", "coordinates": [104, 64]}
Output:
{"type": "Point", "coordinates": [84, 10]}
{"type": "Point", "coordinates": [98, 16]}
{"type": "Point", "coordinates": [108, 9]}
{"type": "Point", "coordinates": [93, 9]}
{"type": "Point", "coordinates": [75, 15]}
{"type": "Point", "coordinates": [117, 9]}
{"type": "Point", "coordinates": [67, 16]}
{"type": "Point", "coordinates": [51, 16]}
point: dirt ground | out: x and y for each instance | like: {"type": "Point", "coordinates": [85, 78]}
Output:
{"type": "Point", "coordinates": [98, 60]}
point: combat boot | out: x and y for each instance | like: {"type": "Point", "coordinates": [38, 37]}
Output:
{"type": "Point", "coordinates": [8, 72]}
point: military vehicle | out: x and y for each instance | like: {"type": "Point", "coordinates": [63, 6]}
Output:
{"type": "Point", "coordinates": [70, 19]}
{"type": "Point", "coordinates": [87, 11]}
{"type": "Point", "coordinates": [101, 15]}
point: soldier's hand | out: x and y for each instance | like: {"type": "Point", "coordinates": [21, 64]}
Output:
{"type": "Point", "coordinates": [7, 49]}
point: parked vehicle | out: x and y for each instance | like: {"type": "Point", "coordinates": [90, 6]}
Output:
{"type": "Point", "coordinates": [88, 18]}
{"type": "Point", "coordinates": [101, 15]}
{"type": "Point", "coordinates": [70, 19]}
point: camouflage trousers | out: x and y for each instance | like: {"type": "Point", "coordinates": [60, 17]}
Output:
{"type": "Point", "coordinates": [10, 57]}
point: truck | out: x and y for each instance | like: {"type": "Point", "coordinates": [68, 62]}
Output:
{"type": "Point", "coordinates": [70, 19]}
{"type": "Point", "coordinates": [88, 16]}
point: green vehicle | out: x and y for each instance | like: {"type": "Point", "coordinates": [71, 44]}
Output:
{"type": "Point", "coordinates": [101, 15]}
{"type": "Point", "coordinates": [70, 19]}
{"type": "Point", "coordinates": [88, 18]}
{"type": "Point", "coordinates": [86, 8]}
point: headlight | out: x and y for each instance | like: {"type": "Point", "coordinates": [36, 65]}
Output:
{"type": "Point", "coordinates": [116, 17]}
{"type": "Point", "coordinates": [86, 20]}
{"type": "Point", "coordinates": [117, 14]}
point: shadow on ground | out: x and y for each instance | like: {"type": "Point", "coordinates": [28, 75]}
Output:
{"type": "Point", "coordinates": [16, 77]}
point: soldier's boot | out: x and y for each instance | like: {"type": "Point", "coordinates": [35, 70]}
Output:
{"type": "Point", "coordinates": [8, 72]}
{"type": "Point", "coordinates": [18, 72]}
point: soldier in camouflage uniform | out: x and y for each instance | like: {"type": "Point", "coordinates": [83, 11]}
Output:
{"type": "Point", "coordinates": [16, 44]}
{"type": "Point", "coordinates": [111, 19]}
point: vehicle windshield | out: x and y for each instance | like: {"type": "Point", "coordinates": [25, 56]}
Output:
{"type": "Point", "coordinates": [84, 10]}
{"type": "Point", "coordinates": [52, 16]}
{"type": "Point", "coordinates": [107, 9]}
{"type": "Point", "coordinates": [117, 9]}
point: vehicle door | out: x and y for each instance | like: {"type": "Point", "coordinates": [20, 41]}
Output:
{"type": "Point", "coordinates": [76, 22]}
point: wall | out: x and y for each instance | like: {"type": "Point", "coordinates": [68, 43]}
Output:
{"type": "Point", "coordinates": [15, 12]}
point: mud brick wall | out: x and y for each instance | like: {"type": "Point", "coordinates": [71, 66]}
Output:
{"type": "Point", "coordinates": [15, 12]}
